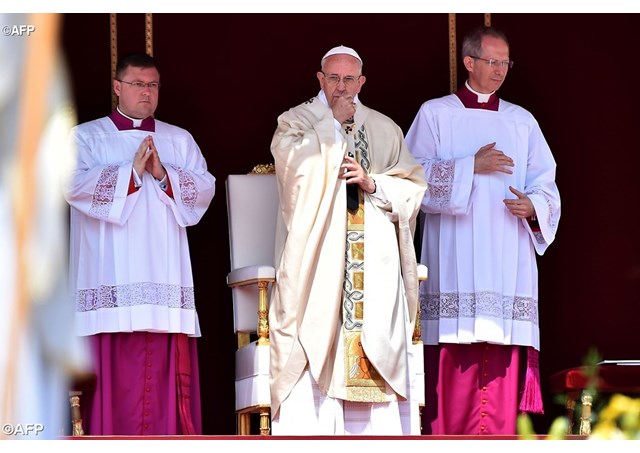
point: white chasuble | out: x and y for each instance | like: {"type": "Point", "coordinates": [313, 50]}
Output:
{"type": "Point", "coordinates": [306, 306]}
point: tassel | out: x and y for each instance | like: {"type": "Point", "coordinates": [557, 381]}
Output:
{"type": "Point", "coordinates": [531, 400]}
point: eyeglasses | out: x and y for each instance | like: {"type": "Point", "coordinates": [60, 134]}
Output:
{"type": "Point", "coordinates": [347, 80]}
{"type": "Point", "coordinates": [497, 63]}
{"type": "Point", "coordinates": [141, 85]}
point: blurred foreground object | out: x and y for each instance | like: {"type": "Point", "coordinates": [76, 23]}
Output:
{"type": "Point", "coordinates": [620, 419]}
{"type": "Point", "coordinates": [39, 352]}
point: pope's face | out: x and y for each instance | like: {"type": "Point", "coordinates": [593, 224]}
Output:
{"type": "Point", "coordinates": [341, 77]}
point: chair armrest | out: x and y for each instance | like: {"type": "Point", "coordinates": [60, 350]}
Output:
{"type": "Point", "coordinates": [243, 282]}
{"type": "Point", "coordinates": [423, 275]}
{"type": "Point", "coordinates": [251, 274]}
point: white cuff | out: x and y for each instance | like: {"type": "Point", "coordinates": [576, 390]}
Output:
{"type": "Point", "coordinates": [137, 182]}
{"type": "Point", "coordinates": [163, 183]}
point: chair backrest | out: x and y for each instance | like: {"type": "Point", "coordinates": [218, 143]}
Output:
{"type": "Point", "coordinates": [252, 207]}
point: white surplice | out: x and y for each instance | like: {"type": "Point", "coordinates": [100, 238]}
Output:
{"type": "Point", "coordinates": [483, 277]}
{"type": "Point", "coordinates": [130, 263]}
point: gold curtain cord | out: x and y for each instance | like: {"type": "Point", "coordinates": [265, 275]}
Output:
{"type": "Point", "coordinates": [148, 33]}
{"type": "Point", "coordinates": [113, 42]}
{"type": "Point", "coordinates": [453, 59]}
{"type": "Point", "coordinates": [113, 39]}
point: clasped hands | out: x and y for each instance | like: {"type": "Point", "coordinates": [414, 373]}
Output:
{"type": "Point", "coordinates": [489, 160]}
{"type": "Point", "coordinates": [146, 158]}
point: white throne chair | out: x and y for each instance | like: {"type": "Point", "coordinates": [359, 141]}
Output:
{"type": "Point", "coordinates": [252, 206]}
{"type": "Point", "coordinates": [411, 410]}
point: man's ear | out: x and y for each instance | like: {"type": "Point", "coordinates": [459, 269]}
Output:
{"type": "Point", "coordinates": [468, 63]}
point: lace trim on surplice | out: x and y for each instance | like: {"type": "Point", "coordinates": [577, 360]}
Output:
{"type": "Point", "coordinates": [134, 294]}
{"type": "Point", "coordinates": [481, 304]}
{"type": "Point", "coordinates": [552, 220]}
{"type": "Point", "coordinates": [440, 184]}
{"type": "Point", "coordinates": [103, 194]}
{"type": "Point", "coordinates": [188, 188]}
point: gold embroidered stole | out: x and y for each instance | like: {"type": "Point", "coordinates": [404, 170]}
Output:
{"type": "Point", "coordinates": [363, 383]}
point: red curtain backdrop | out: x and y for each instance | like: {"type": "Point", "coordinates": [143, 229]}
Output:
{"type": "Point", "coordinates": [226, 78]}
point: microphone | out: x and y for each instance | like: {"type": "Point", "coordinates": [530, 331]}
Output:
{"type": "Point", "coordinates": [352, 189]}
{"type": "Point", "coordinates": [352, 193]}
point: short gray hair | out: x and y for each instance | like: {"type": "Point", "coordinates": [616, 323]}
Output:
{"type": "Point", "coordinates": [472, 43]}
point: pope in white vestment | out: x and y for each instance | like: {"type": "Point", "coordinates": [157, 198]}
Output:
{"type": "Point", "coordinates": [341, 320]}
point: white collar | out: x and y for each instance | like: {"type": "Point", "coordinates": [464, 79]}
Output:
{"type": "Point", "coordinates": [483, 98]}
{"type": "Point", "coordinates": [136, 122]}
